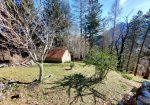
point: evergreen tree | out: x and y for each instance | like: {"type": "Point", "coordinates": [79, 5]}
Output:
{"type": "Point", "coordinates": [93, 21]}
{"type": "Point", "coordinates": [146, 31]}
{"type": "Point", "coordinates": [135, 31]}
{"type": "Point", "coordinates": [54, 10]}
{"type": "Point", "coordinates": [57, 11]}
{"type": "Point", "coordinates": [80, 9]}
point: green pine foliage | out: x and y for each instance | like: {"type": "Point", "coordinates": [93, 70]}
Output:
{"type": "Point", "coordinates": [103, 62]}
{"type": "Point", "coordinates": [93, 20]}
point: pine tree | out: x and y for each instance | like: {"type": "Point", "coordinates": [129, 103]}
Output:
{"type": "Point", "coordinates": [146, 31]}
{"type": "Point", "coordinates": [93, 21]}
{"type": "Point", "coordinates": [56, 10]}
{"type": "Point", "coordinates": [135, 31]}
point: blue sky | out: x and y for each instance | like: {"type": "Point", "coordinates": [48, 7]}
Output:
{"type": "Point", "coordinates": [127, 6]}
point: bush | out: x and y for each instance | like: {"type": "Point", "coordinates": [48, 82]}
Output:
{"type": "Point", "coordinates": [103, 62]}
{"type": "Point", "coordinates": [72, 65]}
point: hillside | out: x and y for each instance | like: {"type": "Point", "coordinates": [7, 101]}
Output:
{"type": "Point", "coordinates": [112, 88]}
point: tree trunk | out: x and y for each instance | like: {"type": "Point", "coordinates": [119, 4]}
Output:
{"type": "Point", "coordinates": [120, 55]}
{"type": "Point", "coordinates": [139, 55]}
{"type": "Point", "coordinates": [119, 65]}
{"type": "Point", "coordinates": [40, 72]}
{"type": "Point", "coordinates": [146, 75]}
{"type": "Point", "coordinates": [130, 52]}
{"type": "Point", "coordinates": [81, 31]}
{"type": "Point", "coordinates": [91, 43]}
{"type": "Point", "coordinates": [113, 35]}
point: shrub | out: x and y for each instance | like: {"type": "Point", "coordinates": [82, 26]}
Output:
{"type": "Point", "coordinates": [103, 62]}
{"type": "Point", "coordinates": [72, 65]}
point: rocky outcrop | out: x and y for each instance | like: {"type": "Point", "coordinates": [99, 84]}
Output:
{"type": "Point", "coordinates": [140, 96]}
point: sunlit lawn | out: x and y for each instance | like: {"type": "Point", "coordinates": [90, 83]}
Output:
{"type": "Point", "coordinates": [57, 71]}
{"type": "Point", "coordinates": [112, 87]}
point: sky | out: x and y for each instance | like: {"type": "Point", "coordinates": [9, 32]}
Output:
{"type": "Point", "coordinates": [128, 6]}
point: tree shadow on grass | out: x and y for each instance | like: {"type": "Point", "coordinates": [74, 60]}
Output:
{"type": "Point", "coordinates": [81, 85]}
{"type": "Point", "coordinates": [8, 82]}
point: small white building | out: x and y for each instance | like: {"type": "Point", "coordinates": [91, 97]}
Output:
{"type": "Point", "coordinates": [60, 55]}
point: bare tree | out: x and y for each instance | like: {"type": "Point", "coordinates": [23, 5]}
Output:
{"type": "Point", "coordinates": [30, 29]}
{"type": "Point", "coordinates": [124, 31]}
{"type": "Point", "coordinates": [115, 12]}
{"type": "Point", "coordinates": [74, 45]}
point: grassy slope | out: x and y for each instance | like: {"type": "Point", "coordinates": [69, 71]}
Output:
{"type": "Point", "coordinates": [112, 87]}
{"type": "Point", "coordinates": [28, 74]}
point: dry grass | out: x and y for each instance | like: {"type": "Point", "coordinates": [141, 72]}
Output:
{"type": "Point", "coordinates": [28, 74]}
{"type": "Point", "coordinates": [42, 94]}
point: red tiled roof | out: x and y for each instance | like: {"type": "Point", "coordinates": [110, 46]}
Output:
{"type": "Point", "coordinates": [56, 53]}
